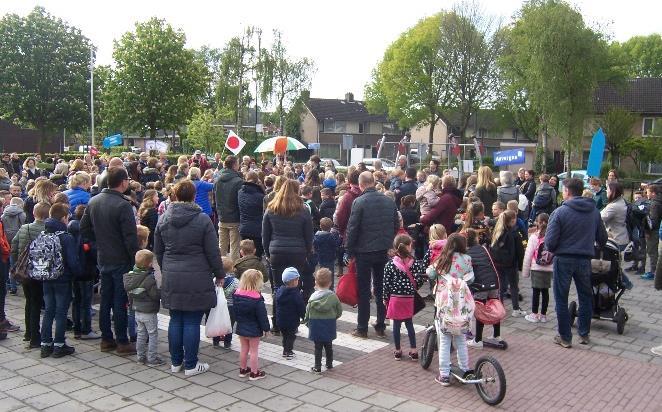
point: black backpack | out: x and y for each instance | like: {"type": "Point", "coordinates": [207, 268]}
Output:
{"type": "Point", "coordinates": [637, 219]}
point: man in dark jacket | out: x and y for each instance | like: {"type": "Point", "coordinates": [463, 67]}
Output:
{"type": "Point", "coordinates": [251, 201]}
{"type": "Point", "coordinates": [227, 188]}
{"type": "Point", "coordinates": [408, 187]}
{"type": "Point", "coordinates": [109, 220]}
{"type": "Point", "coordinates": [372, 226]}
{"type": "Point", "coordinates": [571, 234]}
{"type": "Point", "coordinates": [446, 208]}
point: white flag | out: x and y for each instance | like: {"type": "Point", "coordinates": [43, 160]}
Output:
{"type": "Point", "coordinates": [234, 143]}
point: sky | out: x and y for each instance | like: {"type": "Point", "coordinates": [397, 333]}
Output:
{"type": "Point", "coordinates": [346, 39]}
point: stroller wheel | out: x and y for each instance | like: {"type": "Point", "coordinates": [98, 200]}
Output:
{"type": "Point", "coordinates": [620, 317]}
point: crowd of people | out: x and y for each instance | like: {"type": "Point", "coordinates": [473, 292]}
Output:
{"type": "Point", "coordinates": [146, 234]}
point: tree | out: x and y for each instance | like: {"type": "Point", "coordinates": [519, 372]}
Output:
{"type": "Point", "coordinates": [617, 125]}
{"type": "Point", "coordinates": [212, 60]}
{"type": "Point", "coordinates": [283, 78]}
{"type": "Point", "coordinates": [44, 72]}
{"type": "Point", "coordinates": [562, 60]}
{"type": "Point", "coordinates": [293, 117]}
{"type": "Point", "coordinates": [640, 56]}
{"type": "Point", "coordinates": [202, 134]}
{"type": "Point", "coordinates": [641, 150]}
{"type": "Point", "coordinates": [411, 82]}
{"type": "Point", "coordinates": [157, 82]}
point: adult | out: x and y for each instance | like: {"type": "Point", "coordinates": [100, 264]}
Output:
{"type": "Point", "coordinates": [110, 221]}
{"type": "Point", "coordinates": [341, 217]}
{"type": "Point", "coordinates": [408, 187]}
{"type": "Point", "coordinates": [201, 160]}
{"type": "Point", "coordinates": [78, 193]}
{"type": "Point", "coordinates": [114, 162]}
{"type": "Point", "coordinates": [5, 180]}
{"type": "Point", "coordinates": [226, 189]}
{"type": "Point", "coordinates": [507, 191]}
{"type": "Point", "coordinates": [315, 162]}
{"type": "Point", "coordinates": [30, 168]}
{"type": "Point", "coordinates": [328, 165]}
{"type": "Point", "coordinates": [151, 173]}
{"type": "Point", "coordinates": [43, 191]}
{"type": "Point", "coordinates": [654, 194]}
{"type": "Point", "coordinates": [521, 177]}
{"type": "Point", "coordinates": [186, 248]}
{"type": "Point", "coordinates": [16, 163]}
{"type": "Point", "coordinates": [433, 168]}
{"type": "Point", "coordinates": [287, 236]}
{"type": "Point", "coordinates": [377, 165]}
{"type": "Point", "coordinates": [444, 210]}
{"type": "Point", "coordinates": [402, 163]}
{"type": "Point", "coordinates": [6, 164]}
{"type": "Point", "coordinates": [486, 190]}
{"type": "Point", "coordinates": [544, 201]}
{"type": "Point", "coordinates": [614, 215]}
{"type": "Point", "coordinates": [202, 190]}
{"type": "Point", "coordinates": [373, 223]}
{"type": "Point", "coordinates": [251, 208]}
{"type": "Point", "coordinates": [571, 235]}
{"type": "Point", "coordinates": [528, 188]}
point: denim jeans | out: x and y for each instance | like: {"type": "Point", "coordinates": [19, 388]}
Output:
{"type": "Point", "coordinates": [184, 337]}
{"type": "Point", "coordinates": [370, 273]}
{"type": "Point", "coordinates": [148, 331]}
{"type": "Point", "coordinates": [34, 297]}
{"type": "Point", "coordinates": [113, 296]}
{"type": "Point", "coordinates": [80, 310]}
{"type": "Point", "coordinates": [652, 241]}
{"type": "Point", "coordinates": [57, 297]}
{"type": "Point", "coordinates": [565, 270]}
{"type": "Point", "coordinates": [460, 343]}
{"type": "Point", "coordinates": [409, 324]}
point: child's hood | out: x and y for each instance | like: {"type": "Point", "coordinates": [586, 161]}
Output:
{"type": "Point", "coordinates": [438, 245]}
{"type": "Point", "coordinates": [320, 301]}
{"type": "Point", "coordinates": [12, 210]}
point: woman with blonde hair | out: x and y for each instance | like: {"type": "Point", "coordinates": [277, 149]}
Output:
{"type": "Point", "coordinates": [287, 236]}
{"type": "Point", "coordinates": [170, 175]}
{"type": "Point", "coordinates": [43, 191]}
{"type": "Point", "coordinates": [78, 193]}
{"type": "Point", "coordinates": [202, 190]}
{"type": "Point", "coordinates": [76, 166]}
{"type": "Point", "coordinates": [148, 214]}
{"type": "Point", "coordinates": [486, 190]}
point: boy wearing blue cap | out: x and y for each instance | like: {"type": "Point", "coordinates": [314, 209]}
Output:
{"type": "Point", "coordinates": [290, 309]}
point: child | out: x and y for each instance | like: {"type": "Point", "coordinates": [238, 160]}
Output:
{"type": "Point", "coordinates": [437, 241]}
{"type": "Point", "coordinates": [452, 270]}
{"type": "Point", "coordinates": [541, 275]}
{"type": "Point", "coordinates": [328, 205]}
{"type": "Point", "coordinates": [57, 292]}
{"type": "Point", "coordinates": [326, 244]}
{"type": "Point", "coordinates": [249, 260]}
{"type": "Point", "coordinates": [290, 310]}
{"type": "Point", "coordinates": [145, 298]}
{"type": "Point", "coordinates": [13, 218]}
{"type": "Point", "coordinates": [252, 322]}
{"type": "Point", "coordinates": [230, 285]}
{"type": "Point", "coordinates": [427, 195]}
{"type": "Point", "coordinates": [408, 211]}
{"type": "Point", "coordinates": [522, 227]}
{"type": "Point", "coordinates": [321, 314]}
{"type": "Point", "coordinates": [403, 276]}
{"type": "Point", "coordinates": [498, 208]}
{"type": "Point", "coordinates": [307, 195]}
{"type": "Point", "coordinates": [475, 219]}
{"type": "Point", "coordinates": [503, 249]}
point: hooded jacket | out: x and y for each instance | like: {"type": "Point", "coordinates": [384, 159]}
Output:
{"type": "Point", "coordinates": [251, 202]}
{"type": "Point", "coordinates": [149, 174]}
{"type": "Point", "coordinates": [326, 244]}
{"type": "Point", "coordinates": [226, 189]}
{"type": "Point", "coordinates": [614, 216]}
{"type": "Point", "coordinates": [25, 235]}
{"type": "Point", "coordinates": [186, 248]}
{"type": "Point", "coordinates": [70, 258]}
{"type": "Point", "coordinates": [77, 196]}
{"type": "Point", "coordinates": [141, 289]}
{"type": "Point", "coordinates": [202, 190]}
{"type": "Point", "coordinates": [574, 227]}
{"type": "Point", "coordinates": [327, 208]}
{"type": "Point", "coordinates": [322, 311]}
{"type": "Point", "coordinates": [507, 193]}
{"type": "Point", "coordinates": [290, 308]}
{"type": "Point", "coordinates": [13, 218]}
{"type": "Point", "coordinates": [444, 211]}
{"type": "Point", "coordinates": [250, 262]}
{"type": "Point", "coordinates": [250, 314]}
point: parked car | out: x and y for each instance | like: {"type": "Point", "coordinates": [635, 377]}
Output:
{"type": "Point", "coordinates": [579, 174]}
{"type": "Point", "coordinates": [387, 164]}
{"type": "Point", "coordinates": [336, 164]}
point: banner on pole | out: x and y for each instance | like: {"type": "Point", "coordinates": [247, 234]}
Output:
{"type": "Point", "coordinates": [509, 157]}
{"type": "Point", "coordinates": [597, 154]}
{"type": "Point", "coordinates": [234, 143]}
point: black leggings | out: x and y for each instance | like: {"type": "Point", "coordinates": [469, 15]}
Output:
{"type": "Point", "coordinates": [328, 351]}
{"type": "Point", "coordinates": [545, 300]}
{"type": "Point", "coordinates": [479, 330]}
{"type": "Point", "coordinates": [409, 324]}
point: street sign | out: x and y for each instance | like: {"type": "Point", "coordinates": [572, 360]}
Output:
{"type": "Point", "coordinates": [347, 141]}
{"type": "Point", "coordinates": [509, 157]}
{"type": "Point", "coordinates": [114, 140]}
{"type": "Point", "coordinates": [314, 146]}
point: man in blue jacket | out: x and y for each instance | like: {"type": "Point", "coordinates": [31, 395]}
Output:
{"type": "Point", "coordinates": [573, 230]}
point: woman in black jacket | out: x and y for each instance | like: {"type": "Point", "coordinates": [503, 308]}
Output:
{"type": "Point", "coordinates": [505, 253]}
{"type": "Point", "coordinates": [251, 200]}
{"type": "Point", "coordinates": [186, 248]}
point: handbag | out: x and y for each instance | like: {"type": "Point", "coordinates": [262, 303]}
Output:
{"type": "Point", "coordinates": [19, 271]}
{"type": "Point", "coordinates": [348, 286]}
{"type": "Point", "coordinates": [492, 310]}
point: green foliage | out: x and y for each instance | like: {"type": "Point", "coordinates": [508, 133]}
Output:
{"type": "Point", "coordinates": [201, 134]}
{"type": "Point", "coordinates": [538, 164]}
{"type": "Point", "coordinates": [640, 56]}
{"type": "Point", "coordinates": [157, 82]}
{"type": "Point", "coordinates": [617, 125]}
{"type": "Point", "coordinates": [212, 60]}
{"type": "Point", "coordinates": [642, 150]}
{"type": "Point", "coordinates": [44, 71]}
{"type": "Point", "coordinates": [293, 117]}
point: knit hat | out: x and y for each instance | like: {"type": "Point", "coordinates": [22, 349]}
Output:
{"type": "Point", "coordinates": [290, 274]}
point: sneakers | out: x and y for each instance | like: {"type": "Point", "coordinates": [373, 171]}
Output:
{"type": "Point", "coordinates": [542, 318]}
{"type": "Point", "coordinates": [7, 326]}
{"type": "Point", "coordinates": [108, 345]}
{"type": "Point", "coordinates": [413, 356]}
{"type": "Point", "coordinates": [360, 334]}
{"type": "Point", "coordinates": [90, 336]}
{"type": "Point", "coordinates": [316, 371]}
{"type": "Point", "coordinates": [199, 368]}
{"type": "Point", "coordinates": [176, 369]}
{"type": "Point", "coordinates": [141, 360]}
{"type": "Point", "coordinates": [397, 355]}
{"type": "Point", "coordinates": [254, 376]}
{"type": "Point", "coordinates": [64, 350]}
{"type": "Point", "coordinates": [532, 317]}
{"type": "Point", "coordinates": [155, 362]}
{"type": "Point", "coordinates": [126, 349]}
{"type": "Point", "coordinates": [227, 345]}
{"type": "Point", "coordinates": [244, 372]}
{"type": "Point", "coordinates": [288, 355]}
{"type": "Point", "coordinates": [380, 332]}
{"type": "Point", "coordinates": [329, 366]}
{"type": "Point", "coordinates": [46, 351]}
{"type": "Point", "coordinates": [584, 340]}
{"type": "Point", "coordinates": [518, 313]}
{"type": "Point", "coordinates": [473, 344]}
{"type": "Point", "coordinates": [648, 276]}
{"type": "Point", "coordinates": [657, 350]}
{"type": "Point", "coordinates": [564, 344]}
{"type": "Point", "coordinates": [443, 380]}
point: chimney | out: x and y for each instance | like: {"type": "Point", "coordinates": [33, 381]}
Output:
{"type": "Point", "coordinates": [349, 97]}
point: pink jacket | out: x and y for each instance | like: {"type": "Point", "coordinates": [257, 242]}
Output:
{"type": "Point", "coordinates": [529, 262]}
{"type": "Point", "coordinates": [426, 198]}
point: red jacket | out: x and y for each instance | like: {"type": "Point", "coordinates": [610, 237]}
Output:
{"type": "Point", "coordinates": [444, 211]}
{"type": "Point", "coordinates": [344, 208]}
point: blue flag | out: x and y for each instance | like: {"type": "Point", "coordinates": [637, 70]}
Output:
{"type": "Point", "coordinates": [597, 154]}
{"type": "Point", "coordinates": [114, 140]}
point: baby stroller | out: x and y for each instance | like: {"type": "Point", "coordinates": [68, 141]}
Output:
{"type": "Point", "coordinates": [607, 285]}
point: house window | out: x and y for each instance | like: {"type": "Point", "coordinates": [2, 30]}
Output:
{"type": "Point", "coordinates": [648, 126]}
{"type": "Point", "coordinates": [388, 128]}
{"type": "Point", "coordinates": [329, 125]}
{"type": "Point", "coordinates": [330, 151]}
{"type": "Point", "coordinates": [361, 127]}
{"type": "Point", "coordinates": [482, 133]}
{"type": "Point", "coordinates": [585, 155]}
{"type": "Point", "coordinates": [340, 126]}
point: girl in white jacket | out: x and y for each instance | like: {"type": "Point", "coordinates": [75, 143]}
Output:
{"type": "Point", "coordinates": [541, 275]}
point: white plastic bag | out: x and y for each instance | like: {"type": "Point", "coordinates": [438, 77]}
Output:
{"type": "Point", "coordinates": [218, 322]}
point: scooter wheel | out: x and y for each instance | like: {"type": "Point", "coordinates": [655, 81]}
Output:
{"type": "Point", "coordinates": [427, 351]}
{"type": "Point", "coordinates": [493, 387]}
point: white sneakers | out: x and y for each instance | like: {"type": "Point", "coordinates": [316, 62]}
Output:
{"type": "Point", "coordinates": [199, 368]}
{"type": "Point", "coordinates": [91, 336]}
{"type": "Point", "coordinates": [473, 344]}
{"type": "Point", "coordinates": [176, 369]}
{"type": "Point", "coordinates": [657, 350]}
{"type": "Point", "coordinates": [535, 318]}
{"type": "Point", "coordinates": [518, 313]}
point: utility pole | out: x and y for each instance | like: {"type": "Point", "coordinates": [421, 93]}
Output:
{"type": "Point", "coordinates": [92, 93]}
